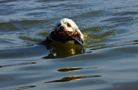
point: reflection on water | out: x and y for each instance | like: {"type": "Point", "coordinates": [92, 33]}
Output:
{"type": "Point", "coordinates": [17, 64]}
{"type": "Point", "coordinates": [72, 78]}
{"type": "Point", "coordinates": [107, 62]}
{"type": "Point", "coordinates": [22, 88]}
{"type": "Point", "coordinates": [98, 34]}
{"type": "Point", "coordinates": [70, 69]}
{"type": "Point", "coordinates": [68, 79]}
{"type": "Point", "coordinates": [61, 50]}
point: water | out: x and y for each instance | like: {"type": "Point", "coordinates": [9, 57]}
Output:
{"type": "Point", "coordinates": [108, 62]}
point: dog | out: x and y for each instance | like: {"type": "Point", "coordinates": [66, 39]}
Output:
{"type": "Point", "coordinates": [66, 30]}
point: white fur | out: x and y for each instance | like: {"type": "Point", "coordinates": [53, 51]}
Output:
{"type": "Point", "coordinates": [64, 22]}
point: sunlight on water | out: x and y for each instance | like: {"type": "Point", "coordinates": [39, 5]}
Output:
{"type": "Point", "coordinates": [107, 62]}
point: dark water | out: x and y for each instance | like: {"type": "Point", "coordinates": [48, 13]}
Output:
{"type": "Point", "coordinates": [108, 62]}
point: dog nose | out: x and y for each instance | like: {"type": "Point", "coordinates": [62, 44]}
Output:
{"type": "Point", "coordinates": [62, 27]}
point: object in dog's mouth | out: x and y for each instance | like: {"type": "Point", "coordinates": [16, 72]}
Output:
{"type": "Point", "coordinates": [66, 30]}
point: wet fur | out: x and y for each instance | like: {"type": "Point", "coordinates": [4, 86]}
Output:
{"type": "Point", "coordinates": [63, 35]}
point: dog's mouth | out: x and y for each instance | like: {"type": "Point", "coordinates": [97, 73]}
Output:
{"type": "Point", "coordinates": [64, 36]}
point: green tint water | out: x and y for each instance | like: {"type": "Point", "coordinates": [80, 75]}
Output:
{"type": "Point", "coordinates": [107, 62]}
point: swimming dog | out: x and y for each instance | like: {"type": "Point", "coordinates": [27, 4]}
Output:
{"type": "Point", "coordinates": [66, 30]}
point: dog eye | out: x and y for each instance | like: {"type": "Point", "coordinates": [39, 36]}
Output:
{"type": "Point", "coordinates": [59, 24]}
{"type": "Point", "coordinates": [68, 24]}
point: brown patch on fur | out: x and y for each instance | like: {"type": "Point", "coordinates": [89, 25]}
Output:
{"type": "Point", "coordinates": [65, 36]}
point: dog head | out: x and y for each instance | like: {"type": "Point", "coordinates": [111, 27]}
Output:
{"type": "Point", "coordinates": [67, 30]}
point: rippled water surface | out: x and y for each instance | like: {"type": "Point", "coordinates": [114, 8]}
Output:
{"type": "Point", "coordinates": [109, 61]}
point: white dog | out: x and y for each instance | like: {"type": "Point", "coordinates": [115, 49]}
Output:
{"type": "Point", "coordinates": [66, 30]}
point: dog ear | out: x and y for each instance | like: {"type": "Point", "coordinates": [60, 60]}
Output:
{"type": "Point", "coordinates": [78, 30]}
